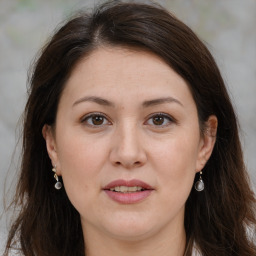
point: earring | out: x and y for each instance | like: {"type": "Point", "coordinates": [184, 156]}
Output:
{"type": "Point", "coordinates": [58, 184]}
{"type": "Point", "coordinates": [199, 186]}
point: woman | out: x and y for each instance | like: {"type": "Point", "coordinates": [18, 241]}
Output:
{"type": "Point", "coordinates": [130, 144]}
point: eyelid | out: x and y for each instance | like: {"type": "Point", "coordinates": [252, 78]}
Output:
{"type": "Point", "coordinates": [165, 115]}
{"type": "Point", "coordinates": [171, 119]}
{"type": "Point", "coordinates": [91, 114]}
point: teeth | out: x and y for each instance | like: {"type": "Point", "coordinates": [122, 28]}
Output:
{"type": "Point", "coordinates": [125, 189]}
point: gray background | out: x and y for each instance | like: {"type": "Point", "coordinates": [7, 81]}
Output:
{"type": "Point", "coordinates": [227, 26]}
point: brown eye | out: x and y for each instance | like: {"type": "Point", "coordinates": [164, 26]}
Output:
{"type": "Point", "coordinates": [158, 120]}
{"type": "Point", "coordinates": [95, 120]}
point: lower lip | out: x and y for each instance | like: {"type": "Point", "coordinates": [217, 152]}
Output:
{"type": "Point", "coordinates": [128, 198]}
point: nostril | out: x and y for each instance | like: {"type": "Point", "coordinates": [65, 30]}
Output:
{"type": "Point", "coordinates": [135, 164]}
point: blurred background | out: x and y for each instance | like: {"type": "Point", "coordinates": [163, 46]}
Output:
{"type": "Point", "coordinates": [226, 26]}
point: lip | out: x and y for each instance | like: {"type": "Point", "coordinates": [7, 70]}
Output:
{"type": "Point", "coordinates": [129, 197]}
{"type": "Point", "coordinates": [128, 183]}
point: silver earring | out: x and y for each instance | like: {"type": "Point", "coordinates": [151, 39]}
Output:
{"type": "Point", "coordinates": [199, 186]}
{"type": "Point", "coordinates": [58, 184]}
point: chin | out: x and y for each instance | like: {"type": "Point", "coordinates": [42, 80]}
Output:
{"type": "Point", "coordinates": [130, 235]}
{"type": "Point", "coordinates": [130, 228]}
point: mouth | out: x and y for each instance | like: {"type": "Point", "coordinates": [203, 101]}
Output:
{"type": "Point", "coordinates": [127, 186]}
{"type": "Point", "coordinates": [128, 192]}
{"type": "Point", "coordinates": [125, 189]}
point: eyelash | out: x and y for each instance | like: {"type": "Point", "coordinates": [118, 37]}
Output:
{"type": "Point", "coordinates": [167, 118]}
{"type": "Point", "coordinates": [95, 114]}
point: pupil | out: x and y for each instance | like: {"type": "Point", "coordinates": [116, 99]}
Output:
{"type": "Point", "coordinates": [158, 120]}
{"type": "Point", "coordinates": [97, 120]}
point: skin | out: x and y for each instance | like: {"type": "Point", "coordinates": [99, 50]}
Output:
{"type": "Point", "coordinates": [163, 151]}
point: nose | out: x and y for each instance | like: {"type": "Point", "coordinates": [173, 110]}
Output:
{"type": "Point", "coordinates": [127, 149]}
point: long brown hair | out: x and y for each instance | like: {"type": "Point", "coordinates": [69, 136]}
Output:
{"type": "Point", "coordinates": [217, 220]}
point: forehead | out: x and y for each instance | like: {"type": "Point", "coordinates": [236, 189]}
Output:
{"type": "Point", "coordinates": [119, 61]}
{"type": "Point", "coordinates": [112, 71]}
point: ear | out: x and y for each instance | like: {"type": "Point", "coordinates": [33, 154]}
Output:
{"type": "Point", "coordinates": [207, 142]}
{"type": "Point", "coordinates": [49, 137]}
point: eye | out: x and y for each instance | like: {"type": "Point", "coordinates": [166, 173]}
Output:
{"type": "Point", "coordinates": [95, 119]}
{"type": "Point", "coordinates": [160, 119]}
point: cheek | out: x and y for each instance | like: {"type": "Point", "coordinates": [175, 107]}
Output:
{"type": "Point", "coordinates": [176, 162]}
{"type": "Point", "coordinates": [177, 157]}
{"type": "Point", "coordinates": [80, 154]}
{"type": "Point", "coordinates": [81, 162]}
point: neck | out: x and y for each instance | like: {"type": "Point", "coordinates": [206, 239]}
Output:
{"type": "Point", "coordinates": [162, 243]}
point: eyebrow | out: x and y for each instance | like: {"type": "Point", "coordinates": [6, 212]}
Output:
{"type": "Point", "coordinates": [160, 101]}
{"type": "Point", "coordinates": [95, 99]}
{"type": "Point", "coordinates": [147, 103]}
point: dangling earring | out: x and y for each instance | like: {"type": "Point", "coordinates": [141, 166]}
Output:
{"type": "Point", "coordinates": [199, 186]}
{"type": "Point", "coordinates": [58, 184]}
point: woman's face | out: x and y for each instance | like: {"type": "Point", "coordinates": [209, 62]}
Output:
{"type": "Point", "coordinates": [127, 144]}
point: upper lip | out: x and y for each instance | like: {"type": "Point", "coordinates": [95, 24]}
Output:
{"type": "Point", "coordinates": [127, 183]}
